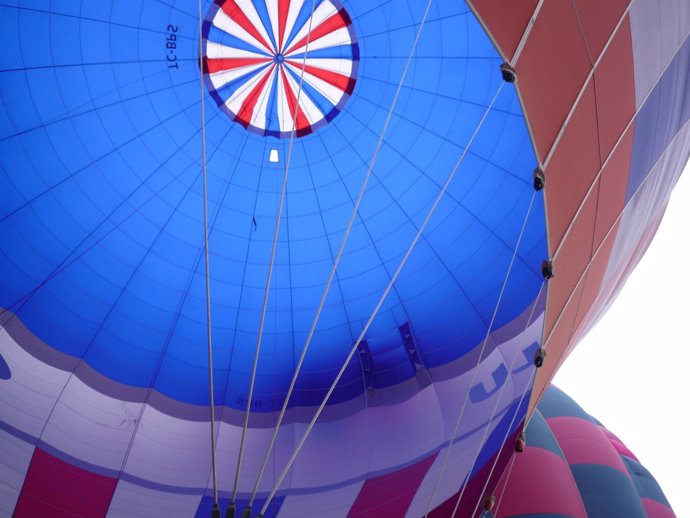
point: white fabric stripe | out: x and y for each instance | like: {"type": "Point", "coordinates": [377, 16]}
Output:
{"type": "Point", "coordinates": [132, 500]}
{"type": "Point", "coordinates": [652, 197]}
{"type": "Point", "coordinates": [654, 48]}
{"type": "Point", "coordinates": [424, 433]}
{"type": "Point", "coordinates": [15, 457]}
{"type": "Point", "coordinates": [97, 426]}
{"type": "Point", "coordinates": [328, 504]}
{"type": "Point", "coordinates": [227, 24]}
{"type": "Point", "coordinates": [169, 450]}
{"type": "Point", "coordinates": [332, 39]}
{"type": "Point", "coordinates": [293, 11]}
{"type": "Point", "coordinates": [339, 66]}
{"type": "Point", "coordinates": [8, 499]}
{"type": "Point", "coordinates": [247, 7]}
{"type": "Point", "coordinates": [284, 115]}
{"type": "Point", "coordinates": [272, 8]}
{"type": "Point", "coordinates": [351, 454]}
{"type": "Point", "coordinates": [321, 13]}
{"type": "Point", "coordinates": [259, 117]}
{"type": "Point", "coordinates": [234, 103]}
{"type": "Point", "coordinates": [216, 50]}
{"type": "Point", "coordinates": [330, 92]}
{"type": "Point", "coordinates": [27, 398]}
{"type": "Point", "coordinates": [311, 111]}
{"type": "Point", "coordinates": [256, 442]}
{"type": "Point", "coordinates": [220, 79]}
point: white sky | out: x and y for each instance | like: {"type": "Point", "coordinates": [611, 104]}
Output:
{"type": "Point", "coordinates": [632, 371]}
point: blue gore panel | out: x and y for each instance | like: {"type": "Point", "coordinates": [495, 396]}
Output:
{"type": "Point", "coordinates": [607, 492]}
{"type": "Point", "coordinates": [556, 403]}
{"type": "Point", "coordinates": [661, 117]}
{"type": "Point", "coordinates": [206, 504]}
{"type": "Point", "coordinates": [101, 211]}
{"type": "Point", "coordinates": [539, 435]}
{"type": "Point", "coordinates": [646, 484]}
{"type": "Point", "coordinates": [507, 425]}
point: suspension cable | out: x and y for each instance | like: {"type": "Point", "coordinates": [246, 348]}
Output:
{"type": "Point", "coordinates": [354, 348]}
{"type": "Point", "coordinates": [505, 438]}
{"type": "Point", "coordinates": [590, 77]}
{"type": "Point", "coordinates": [493, 414]}
{"type": "Point", "coordinates": [336, 262]}
{"type": "Point", "coordinates": [216, 508]}
{"type": "Point", "coordinates": [499, 500]}
{"type": "Point", "coordinates": [526, 34]}
{"type": "Point", "coordinates": [480, 356]}
{"type": "Point", "coordinates": [274, 247]}
{"type": "Point", "coordinates": [512, 421]}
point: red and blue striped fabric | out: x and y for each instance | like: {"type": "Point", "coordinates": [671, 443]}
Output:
{"type": "Point", "coordinates": [253, 57]}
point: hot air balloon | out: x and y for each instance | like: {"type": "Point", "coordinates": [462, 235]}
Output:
{"type": "Point", "coordinates": [574, 466]}
{"type": "Point", "coordinates": [311, 258]}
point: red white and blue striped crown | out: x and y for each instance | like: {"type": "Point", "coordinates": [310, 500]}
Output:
{"type": "Point", "coordinates": [253, 59]}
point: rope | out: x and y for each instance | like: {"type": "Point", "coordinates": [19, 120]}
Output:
{"type": "Point", "coordinates": [499, 500]}
{"type": "Point", "coordinates": [505, 438]}
{"type": "Point", "coordinates": [206, 262]}
{"type": "Point", "coordinates": [513, 62]}
{"type": "Point", "coordinates": [512, 421]}
{"type": "Point", "coordinates": [589, 78]}
{"type": "Point", "coordinates": [525, 35]}
{"type": "Point", "coordinates": [380, 303]}
{"type": "Point", "coordinates": [274, 247]}
{"type": "Point", "coordinates": [479, 359]}
{"type": "Point", "coordinates": [331, 275]}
